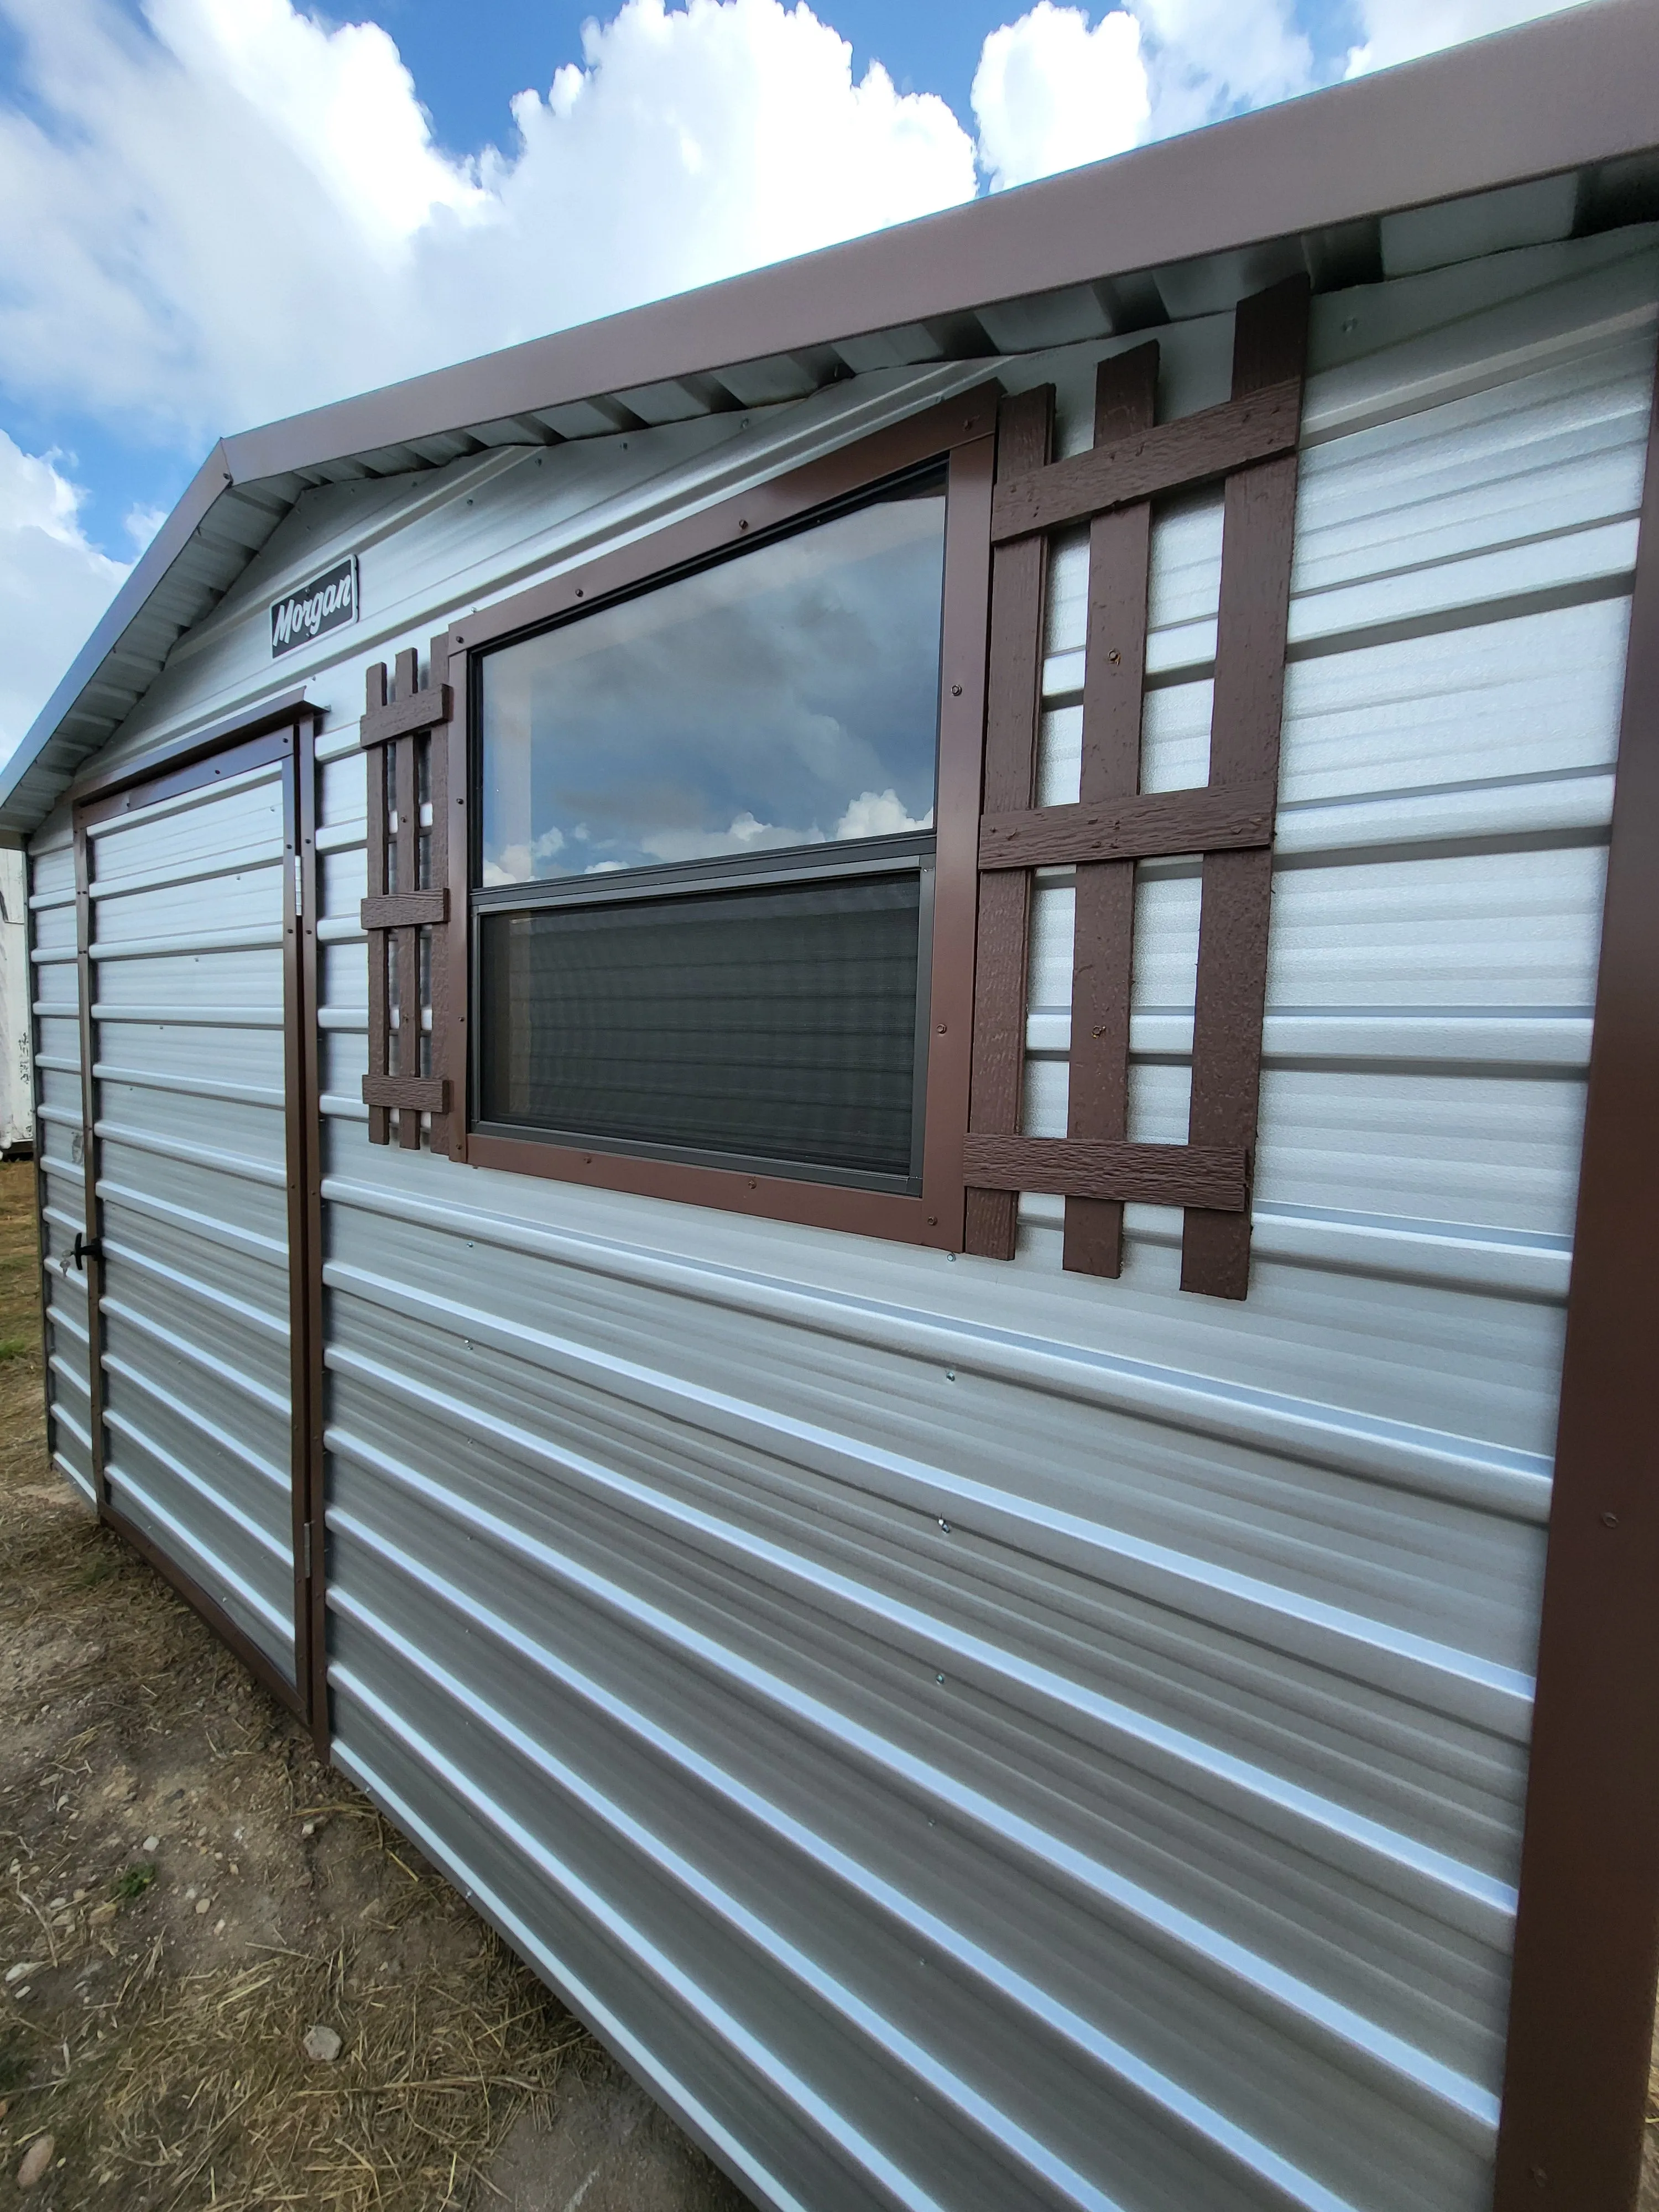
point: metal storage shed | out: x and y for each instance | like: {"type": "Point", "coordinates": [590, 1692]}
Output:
{"type": "Point", "coordinates": [1107, 1657]}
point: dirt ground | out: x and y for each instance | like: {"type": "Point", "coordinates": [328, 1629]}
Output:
{"type": "Point", "coordinates": [185, 1895]}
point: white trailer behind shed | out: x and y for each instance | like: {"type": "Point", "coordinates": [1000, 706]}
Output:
{"type": "Point", "coordinates": [16, 1022]}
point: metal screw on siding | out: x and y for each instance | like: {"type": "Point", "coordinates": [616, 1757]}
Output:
{"type": "Point", "coordinates": [1610, 1520]}
{"type": "Point", "coordinates": [956, 690]}
{"type": "Point", "coordinates": [1114, 656]}
{"type": "Point", "coordinates": [938, 1678]}
{"type": "Point", "coordinates": [944, 1524]}
{"type": "Point", "coordinates": [949, 1374]}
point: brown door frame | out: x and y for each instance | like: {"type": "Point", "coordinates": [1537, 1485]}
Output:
{"type": "Point", "coordinates": [1587, 1929]}
{"type": "Point", "coordinates": [305, 1089]}
{"type": "Point", "coordinates": [126, 790]}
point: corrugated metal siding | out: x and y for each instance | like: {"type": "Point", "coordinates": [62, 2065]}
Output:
{"type": "Point", "coordinates": [977, 1737]}
{"type": "Point", "coordinates": [58, 1148]}
{"type": "Point", "coordinates": [193, 1185]}
{"type": "Point", "coordinates": [972, 1737]}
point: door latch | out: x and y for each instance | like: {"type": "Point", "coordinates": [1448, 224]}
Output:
{"type": "Point", "coordinates": [83, 1249]}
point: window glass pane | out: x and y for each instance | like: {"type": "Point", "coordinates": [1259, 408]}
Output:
{"type": "Point", "coordinates": [776, 1024]}
{"type": "Point", "coordinates": [786, 697]}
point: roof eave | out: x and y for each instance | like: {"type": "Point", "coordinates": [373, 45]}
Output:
{"type": "Point", "coordinates": [1569, 93]}
{"type": "Point", "coordinates": [1574, 89]}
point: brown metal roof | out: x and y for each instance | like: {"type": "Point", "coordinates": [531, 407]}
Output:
{"type": "Point", "coordinates": [1119, 244]}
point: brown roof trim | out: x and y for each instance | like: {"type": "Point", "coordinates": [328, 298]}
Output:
{"type": "Point", "coordinates": [1574, 88]}
{"type": "Point", "coordinates": [1555, 95]}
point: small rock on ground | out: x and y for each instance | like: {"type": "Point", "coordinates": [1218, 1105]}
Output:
{"type": "Point", "coordinates": [323, 2045]}
{"type": "Point", "coordinates": [36, 2160]}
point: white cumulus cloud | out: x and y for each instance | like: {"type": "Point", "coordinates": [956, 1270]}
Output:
{"type": "Point", "coordinates": [1208, 58]}
{"type": "Point", "coordinates": [1050, 93]}
{"type": "Point", "coordinates": [340, 102]}
{"type": "Point", "coordinates": [54, 585]}
{"type": "Point", "coordinates": [1400, 30]}
{"type": "Point", "coordinates": [880, 814]}
{"type": "Point", "coordinates": [230, 212]}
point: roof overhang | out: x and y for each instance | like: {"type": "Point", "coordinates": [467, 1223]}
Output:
{"type": "Point", "coordinates": [1120, 245]}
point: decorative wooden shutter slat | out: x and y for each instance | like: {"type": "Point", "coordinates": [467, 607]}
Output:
{"type": "Point", "coordinates": [1146, 827]}
{"type": "Point", "coordinates": [1018, 585]}
{"type": "Point", "coordinates": [1115, 667]}
{"type": "Point", "coordinates": [1250, 442]}
{"type": "Point", "coordinates": [407, 897]}
{"type": "Point", "coordinates": [405, 944]}
{"type": "Point", "coordinates": [1196, 449]}
{"type": "Point", "coordinates": [1258, 530]}
{"type": "Point", "coordinates": [380, 1023]}
{"type": "Point", "coordinates": [436, 891]}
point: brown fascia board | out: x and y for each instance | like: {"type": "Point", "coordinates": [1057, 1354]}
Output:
{"type": "Point", "coordinates": [1574, 89]}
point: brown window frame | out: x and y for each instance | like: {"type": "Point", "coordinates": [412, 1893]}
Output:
{"type": "Point", "coordinates": [961, 432]}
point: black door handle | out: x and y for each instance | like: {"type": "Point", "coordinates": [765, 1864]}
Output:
{"type": "Point", "coordinates": [84, 1249]}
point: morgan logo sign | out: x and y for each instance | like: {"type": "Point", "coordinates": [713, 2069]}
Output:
{"type": "Point", "coordinates": [327, 602]}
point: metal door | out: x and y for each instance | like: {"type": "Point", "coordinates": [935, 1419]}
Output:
{"type": "Point", "coordinates": [190, 999]}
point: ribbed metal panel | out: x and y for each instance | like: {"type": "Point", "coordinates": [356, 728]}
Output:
{"type": "Point", "coordinates": [58, 1148]}
{"type": "Point", "coordinates": [193, 1185]}
{"type": "Point", "coordinates": [975, 1737]}
{"type": "Point", "coordinates": [978, 1737]}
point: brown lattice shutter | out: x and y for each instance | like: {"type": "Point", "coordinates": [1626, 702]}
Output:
{"type": "Point", "coordinates": [1250, 442]}
{"type": "Point", "coordinates": [1018, 577]}
{"type": "Point", "coordinates": [408, 766]}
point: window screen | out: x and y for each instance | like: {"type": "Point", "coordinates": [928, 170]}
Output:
{"type": "Point", "coordinates": [776, 1024]}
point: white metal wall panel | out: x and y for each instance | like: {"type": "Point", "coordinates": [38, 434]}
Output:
{"type": "Point", "coordinates": [59, 1140]}
{"type": "Point", "coordinates": [187, 936]}
{"type": "Point", "coordinates": [975, 1737]}
{"type": "Point", "coordinates": [979, 1737]}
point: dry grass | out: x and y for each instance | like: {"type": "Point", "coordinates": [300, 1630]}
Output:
{"type": "Point", "coordinates": [161, 2043]}
{"type": "Point", "coordinates": [206, 2096]}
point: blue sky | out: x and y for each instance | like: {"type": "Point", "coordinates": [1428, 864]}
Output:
{"type": "Point", "coordinates": [468, 59]}
{"type": "Point", "coordinates": [221, 211]}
